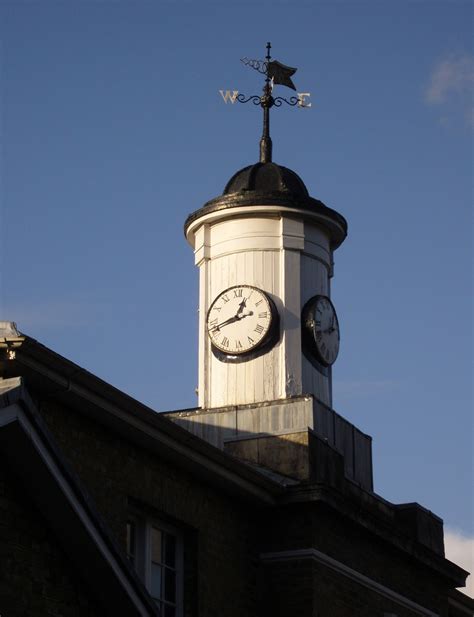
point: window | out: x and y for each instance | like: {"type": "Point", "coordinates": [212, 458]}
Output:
{"type": "Point", "coordinates": [131, 540]}
{"type": "Point", "coordinates": [164, 571]}
{"type": "Point", "coordinates": [155, 549]}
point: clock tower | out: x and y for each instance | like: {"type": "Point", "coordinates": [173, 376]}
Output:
{"type": "Point", "coordinates": [268, 330]}
{"type": "Point", "coordinates": [267, 327]}
{"type": "Point", "coordinates": [264, 248]}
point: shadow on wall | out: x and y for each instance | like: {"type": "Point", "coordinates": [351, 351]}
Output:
{"type": "Point", "coordinates": [283, 418]}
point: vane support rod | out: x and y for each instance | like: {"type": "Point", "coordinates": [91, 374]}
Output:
{"type": "Point", "coordinates": [266, 102]}
{"type": "Point", "coordinates": [266, 141]}
{"type": "Point", "coordinates": [275, 73]}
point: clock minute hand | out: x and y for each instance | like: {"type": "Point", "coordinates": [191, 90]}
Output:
{"type": "Point", "coordinates": [237, 317]}
{"type": "Point", "coordinates": [225, 323]}
{"type": "Point", "coordinates": [240, 315]}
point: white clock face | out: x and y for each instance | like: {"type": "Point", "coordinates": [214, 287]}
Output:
{"type": "Point", "coordinates": [239, 319]}
{"type": "Point", "coordinates": [325, 329]}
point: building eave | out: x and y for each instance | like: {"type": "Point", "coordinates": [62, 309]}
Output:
{"type": "Point", "coordinates": [370, 511]}
{"type": "Point", "coordinates": [48, 373]}
{"type": "Point", "coordinates": [29, 454]}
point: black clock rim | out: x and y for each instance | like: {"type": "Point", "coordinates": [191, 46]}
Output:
{"type": "Point", "coordinates": [266, 337]}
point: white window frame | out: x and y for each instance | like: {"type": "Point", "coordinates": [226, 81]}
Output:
{"type": "Point", "coordinates": [143, 554]}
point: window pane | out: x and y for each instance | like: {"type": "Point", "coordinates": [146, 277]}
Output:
{"type": "Point", "coordinates": [156, 542]}
{"type": "Point", "coordinates": [170, 585]}
{"type": "Point", "coordinates": [130, 539]}
{"type": "Point", "coordinates": [170, 550]}
{"type": "Point", "coordinates": [156, 581]}
{"type": "Point", "coordinates": [170, 611]}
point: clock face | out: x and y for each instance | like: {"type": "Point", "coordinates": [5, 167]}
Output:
{"type": "Point", "coordinates": [322, 326]}
{"type": "Point", "coordinates": [239, 319]}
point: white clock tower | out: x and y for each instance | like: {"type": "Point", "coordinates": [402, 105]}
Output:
{"type": "Point", "coordinates": [265, 237]}
{"type": "Point", "coordinates": [268, 330]}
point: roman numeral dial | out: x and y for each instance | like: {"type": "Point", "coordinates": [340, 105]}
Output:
{"type": "Point", "coordinates": [321, 334]}
{"type": "Point", "coordinates": [240, 319]}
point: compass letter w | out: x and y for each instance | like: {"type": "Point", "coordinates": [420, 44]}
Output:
{"type": "Point", "coordinates": [229, 96]}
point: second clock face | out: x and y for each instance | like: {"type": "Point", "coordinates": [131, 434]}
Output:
{"type": "Point", "coordinates": [321, 327]}
{"type": "Point", "coordinates": [239, 319]}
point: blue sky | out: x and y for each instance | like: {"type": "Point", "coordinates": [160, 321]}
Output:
{"type": "Point", "coordinates": [113, 131]}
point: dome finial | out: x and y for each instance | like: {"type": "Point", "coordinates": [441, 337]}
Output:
{"type": "Point", "coordinates": [266, 102]}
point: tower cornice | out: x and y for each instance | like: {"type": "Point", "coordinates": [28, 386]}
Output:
{"type": "Point", "coordinates": [271, 203]}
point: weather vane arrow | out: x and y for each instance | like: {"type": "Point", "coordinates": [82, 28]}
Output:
{"type": "Point", "coordinates": [275, 73]}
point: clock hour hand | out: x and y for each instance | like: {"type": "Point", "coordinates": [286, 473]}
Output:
{"type": "Point", "coordinates": [241, 307]}
{"type": "Point", "coordinates": [244, 313]}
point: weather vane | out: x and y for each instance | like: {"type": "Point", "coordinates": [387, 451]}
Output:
{"type": "Point", "coordinates": [275, 73]}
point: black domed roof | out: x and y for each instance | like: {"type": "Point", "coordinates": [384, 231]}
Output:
{"type": "Point", "coordinates": [267, 178]}
{"type": "Point", "coordinates": [274, 187]}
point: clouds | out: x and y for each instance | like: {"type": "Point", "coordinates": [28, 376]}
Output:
{"type": "Point", "coordinates": [451, 83]}
{"type": "Point", "coordinates": [459, 548]}
{"type": "Point", "coordinates": [453, 76]}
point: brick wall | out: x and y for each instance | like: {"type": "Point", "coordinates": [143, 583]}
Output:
{"type": "Point", "coordinates": [36, 579]}
{"type": "Point", "coordinates": [306, 526]}
{"type": "Point", "coordinates": [288, 589]}
{"type": "Point", "coordinates": [115, 472]}
{"type": "Point", "coordinates": [224, 538]}
{"type": "Point", "coordinates": [339, 596]}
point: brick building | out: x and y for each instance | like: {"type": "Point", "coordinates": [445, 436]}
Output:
{"type": "Point", "coordinates": [258, 503]}
{"type": "Point", "coordinates": [90, 478]}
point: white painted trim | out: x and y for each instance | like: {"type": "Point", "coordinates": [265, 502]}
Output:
{"type": "Point", "coordinates": [313, 554]}
{"type": "Point", "coordinates": [143, 553]}
{"type": "Point", "coordinates": [267, 210]}
{"type": "Point", "coordinates": [321, 260]}
{"type": "Point", "coordinates": [9, 414]}
{"type": "Point", "coordinates": [264, 247]}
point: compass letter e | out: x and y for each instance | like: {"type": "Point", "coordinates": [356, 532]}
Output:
{"type": "Point", "coordinates": [229, 96]}
{"type": "Point", "coordinates": [302, 99]}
